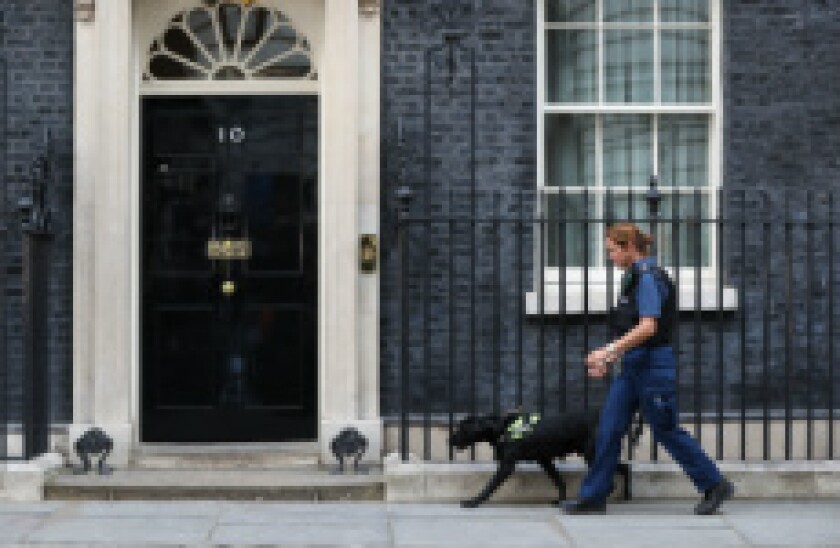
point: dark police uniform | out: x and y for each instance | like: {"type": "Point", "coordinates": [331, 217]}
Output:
{"type": "Point", "coordinates": [648, 380]}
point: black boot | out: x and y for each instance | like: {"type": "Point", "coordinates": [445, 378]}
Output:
{"type": "Point", "coordinates": [578, 507]}
{"type": "Point", "coordinates": [714, 497]}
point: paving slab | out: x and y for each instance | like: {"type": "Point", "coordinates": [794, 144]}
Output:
{"type": "Point", "coordinates": [15, 527]}
{"type": "Point", "coordinates": [7, 507]}
{"type": "Point", "coordinates": [312, 533]}
{"type": "Point", "coordinates": [116, 509]}
{"type": "Point", "coordinates": [483, 511]}
{"type": "Point", "coordinates": [287, 524]}
{"type": "Point", "coordinates": [470, 531]}
{"type": "Point", "coordinates": [650, 530]}
{"type": "Point", "coordinates": [788, 531]}
{"type": "Point", "coordinates": [801, 508]}
{"type": "Point", "coordinates": [271, 512]}
{"type": "Point", "coordinates": [161, 530]}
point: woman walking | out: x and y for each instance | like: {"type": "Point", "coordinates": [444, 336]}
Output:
{"type": "Point", "coordinates": [641, 324]}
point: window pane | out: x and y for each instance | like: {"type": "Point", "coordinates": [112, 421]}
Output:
{"type": "Point", "coordinates": [634, 11]}
{"type": "Point", "coordinates": [693, 244]}
{"type": "Point", "coordinates": [684, 11]}
{"type": "Point", "coordinates": [685, 66]}
{"type": "Point", "coordinates": [628, 150]}
{"type": "Point", "coordinates": [570, 229]}
{"type": "Point", "coordinates": [571, 11]}
{"type": "Point", "coordinates": [570, 150]}
{"type": "Point", "coordinates": [629, 66]}
{"type": "Point", "coordinates": [684, 150]}
{"type": "Point", "coordinates": [617, 210]}
{"type": "Point", "coordinates": [572, 66]}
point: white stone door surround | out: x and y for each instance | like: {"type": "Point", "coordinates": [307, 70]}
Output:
{"type": "Point", "coordinates": [345, 40]}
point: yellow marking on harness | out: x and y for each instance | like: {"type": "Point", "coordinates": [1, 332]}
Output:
{"type": "Point", "coordinates": [522, 426]}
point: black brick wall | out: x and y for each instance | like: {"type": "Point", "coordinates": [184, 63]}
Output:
{"type": "Point", "coordinates": [782, 93]}
{"type": "Point", "coordinates": [782, 127]}
{"type": "Point", "coordinates": [781, 135]}
{"type": "Point", "coordinates": [780, 67]}
{"type": "Point", "coordinates": [37, 58]}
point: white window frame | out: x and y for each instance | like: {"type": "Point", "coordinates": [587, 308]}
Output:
{"type": "Point", "coordinates": [546, 300]}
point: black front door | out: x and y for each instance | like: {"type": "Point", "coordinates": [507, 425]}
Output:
{"type": "Point", "coordinates": [229, 272]}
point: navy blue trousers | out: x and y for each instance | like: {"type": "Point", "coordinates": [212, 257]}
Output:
{"type": "Point", "coordinates": [647, 380]}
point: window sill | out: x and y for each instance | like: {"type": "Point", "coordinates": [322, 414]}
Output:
{"type": "Point", "coordinates": [598, 300]}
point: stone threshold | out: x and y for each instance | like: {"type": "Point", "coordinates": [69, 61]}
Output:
{"type": "Point", "coordinates": [223, 456]}
{"type": "Point", "coordinates": [183, 484]}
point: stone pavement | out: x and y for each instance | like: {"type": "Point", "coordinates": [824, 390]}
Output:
{"type": "Point", "coordinates": [661, 524]}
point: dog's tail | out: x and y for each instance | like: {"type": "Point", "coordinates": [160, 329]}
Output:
{"type": "Point", "coordinates": [636, 431]}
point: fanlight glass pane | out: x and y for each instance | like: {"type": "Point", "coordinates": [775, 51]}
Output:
{"type": "Point", "coordinates": [225, 40]}
{"type": "Point", "coordinates": [256, 27]}
{"type": "Point", "coordinates": [166, 68]}
{"type": "Point", "coordinates": [178, 42]}
{"type": "Point", "coordinates": [295, 65]}
{"type": "Point", "coordinates": [203, 28]}
{"type": "Point", "coordinates": [281, 41]}
{"type": "Point", "coordinates": [230, 17]}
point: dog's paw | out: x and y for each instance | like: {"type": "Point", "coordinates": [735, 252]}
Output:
{"type": "Point", "coordinates": [469, 503]}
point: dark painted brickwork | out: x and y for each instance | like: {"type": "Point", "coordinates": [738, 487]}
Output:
{"type": "Point", "coordinates": [781, 69]}
{"type": "Point", "coordinates": [37, 51]}
{"type": "Point", "coordinates": [782, 127]}
{"type": "Point", "coordinates": [782, 93]}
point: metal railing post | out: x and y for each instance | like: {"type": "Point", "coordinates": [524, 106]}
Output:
{"type": "Point", "coordinates": [404, 196]}
{"type": "Point", "coordinates": [36, 235]}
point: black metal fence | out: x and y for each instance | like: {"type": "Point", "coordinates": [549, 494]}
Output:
{"type": "Point", "coordinates": [24, 383]}
{"type": "Point", "coordinates": [4, 361]}
{"type": "Point", "coordinates": [501, 299]}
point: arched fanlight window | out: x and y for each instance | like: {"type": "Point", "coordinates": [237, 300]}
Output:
{"type": "Point", "coordinates": [229, 40]}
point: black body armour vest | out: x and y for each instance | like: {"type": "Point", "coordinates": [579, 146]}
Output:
{"type": "Point", "coordinates": [625, 315]}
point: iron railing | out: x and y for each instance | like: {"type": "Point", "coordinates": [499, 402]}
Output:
{"type": "Point", "coordinates": [497, 310]}
{"type": "Point", "coordinates": [4, 361]}
{"type": "Point", "coordinates": [25, 384]}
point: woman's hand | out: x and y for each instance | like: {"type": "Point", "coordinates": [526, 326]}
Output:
{"type": "Point", "coordinates": [596, 363]}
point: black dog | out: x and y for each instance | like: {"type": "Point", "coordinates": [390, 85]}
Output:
{"type": "Point", "coordinates": [527, 437]}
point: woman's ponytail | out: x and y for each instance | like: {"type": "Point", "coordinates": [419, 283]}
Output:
{"type": "Point", "coordinates": [625, 234]}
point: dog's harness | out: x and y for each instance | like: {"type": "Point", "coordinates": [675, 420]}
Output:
{"type": "Point", "coordinates": [521, 427]}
